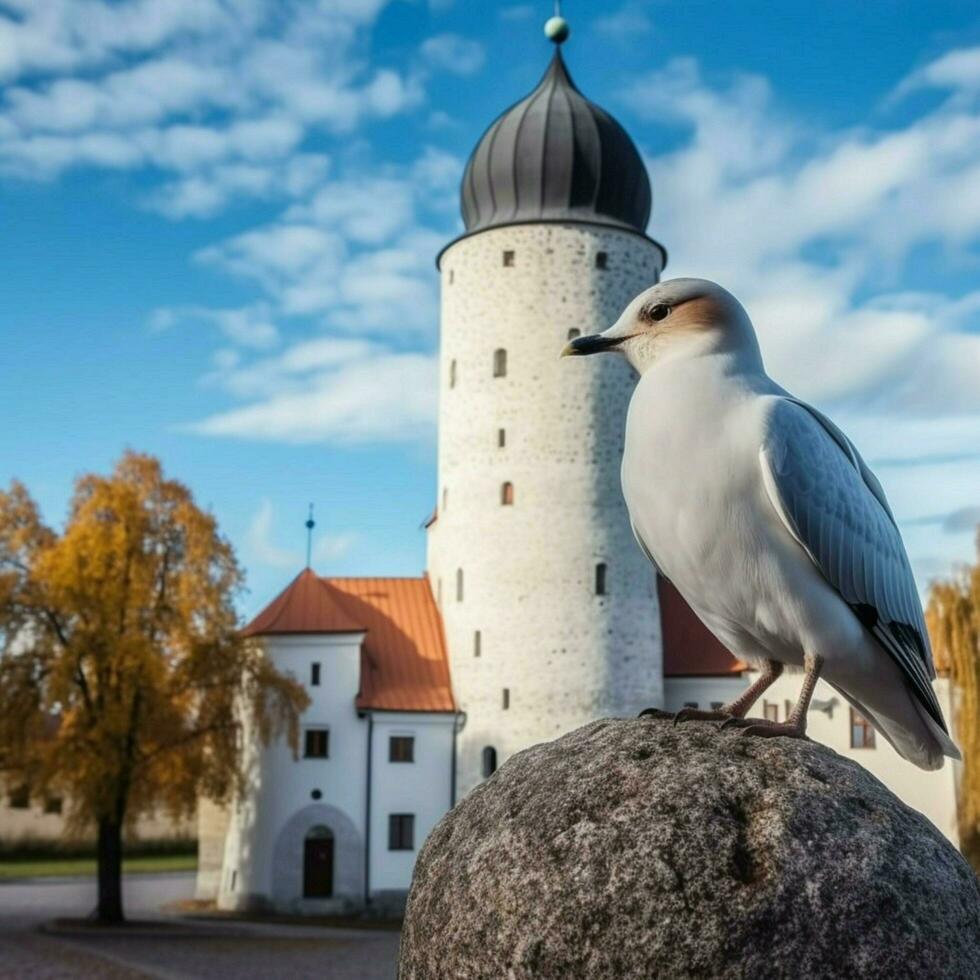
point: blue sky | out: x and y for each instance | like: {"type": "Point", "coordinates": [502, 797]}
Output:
{"type": "Point", "coordinates": [220, 217]}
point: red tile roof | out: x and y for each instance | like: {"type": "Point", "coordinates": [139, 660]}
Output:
{"type": "Point", "coordinates": [404, 662]}
{"type": "Point", "coordinates": [308, 604]}
{"type": "Point", "coordinates": [690, 648]}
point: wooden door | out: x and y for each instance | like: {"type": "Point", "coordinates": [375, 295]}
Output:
{"type": "Point", "coordinates": [318, 868]}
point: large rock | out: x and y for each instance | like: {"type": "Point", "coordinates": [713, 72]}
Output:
{"type": "Point", "coordinates": [637, 849]}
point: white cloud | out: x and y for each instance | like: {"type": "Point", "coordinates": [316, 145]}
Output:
{"type": "Point", "coordinates": [367, 210]}
{"type": "Point", "coordinates": [752, 198]}
{"type": "Point", "coordinates": [957, 70]}
{"type": "Point", "coordinates": [367, 396]}
{"type": "Point", "coordinates": [291, 372]}
{"type": "Point", "coordinates": [61, 35]}
{"type": "Point", "coordinates": [330, 547]}
{"type": "Point", "coordinates": [625, 24]}
{"type": "Point", "coordinates": [516, 12]}
{"type": "Point", "coordinates": [260, 544]}
{"type": "Point", "coordinates": [216, 95]}
{"type": "Point", "coordinates": [203, 194]}
{"type": "Point", "coordinates": [452, 53]}
{"type": "Point", "coordinates": [357, 253]}
{"type": "Point", "coordinates": [281, 256]}
{"type": "Point", "coordinates": [250, 326]}
{"type": "Point", "coordinates": [140, 95]}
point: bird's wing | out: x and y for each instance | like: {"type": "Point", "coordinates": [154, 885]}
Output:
{"type": "Point", "coordinates": [835, 508]}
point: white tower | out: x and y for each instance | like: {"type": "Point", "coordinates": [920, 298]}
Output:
{"type": "Point", "coordinates": [549, 607]}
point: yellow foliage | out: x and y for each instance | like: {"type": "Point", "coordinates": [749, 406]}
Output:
{"type": "Point", "coordinates": [953, 617]}
{"type": "Point", "coordinates": [122, 678]}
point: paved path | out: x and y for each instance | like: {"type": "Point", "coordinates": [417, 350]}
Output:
{"type": "Point", "coordinates": [209, 951]}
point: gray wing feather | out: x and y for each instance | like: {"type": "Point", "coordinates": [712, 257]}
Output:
{"type": "Point", "coordinates": [835, 508]}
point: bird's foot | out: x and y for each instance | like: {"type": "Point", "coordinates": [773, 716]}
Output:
{"type": "Point", "coordinates": [696, 714]}
{"type": "Point", "coordinates": [654, 713]}
{"type": "Point", "coordinates": [765, 728]}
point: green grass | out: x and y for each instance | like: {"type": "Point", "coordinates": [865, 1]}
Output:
{"type": "Point", "coordinates": [31, 867]}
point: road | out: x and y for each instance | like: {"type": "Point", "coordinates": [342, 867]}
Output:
{"type": "Point", "coordinates": [188, 950]}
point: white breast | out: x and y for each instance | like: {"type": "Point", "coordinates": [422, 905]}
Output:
{"type": "Point", "coordinates": [693, 487]}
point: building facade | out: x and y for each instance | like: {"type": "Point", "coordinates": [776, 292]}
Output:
{"type": "Point", "coordinates": [338, 827]}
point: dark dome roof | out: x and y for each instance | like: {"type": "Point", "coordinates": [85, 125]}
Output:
{"type": "Point", "coordinates": [556, 156]}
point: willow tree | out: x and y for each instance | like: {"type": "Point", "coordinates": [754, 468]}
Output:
{"type": "Point", "coordinates": [122, 676]}
{"type": "Point", "coordinates": [953, 616]}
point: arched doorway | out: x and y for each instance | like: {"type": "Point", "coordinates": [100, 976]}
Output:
{"type": "Point", "coordinates": [318, 863]}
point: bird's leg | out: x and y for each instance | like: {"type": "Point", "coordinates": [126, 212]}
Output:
{"type": "Point", "coordinates": [738, 708]}
{"type": "Point", "coordinates": [795, 725]}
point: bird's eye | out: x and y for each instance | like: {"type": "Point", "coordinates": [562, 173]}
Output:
{"type": "Point", "coordinates": [659, 312]}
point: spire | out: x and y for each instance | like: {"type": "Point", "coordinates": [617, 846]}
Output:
{"type": "Point", "coordinates": [310, 524]}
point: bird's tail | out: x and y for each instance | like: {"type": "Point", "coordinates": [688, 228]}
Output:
{"type": "Point", "coordinates": [916, 738]}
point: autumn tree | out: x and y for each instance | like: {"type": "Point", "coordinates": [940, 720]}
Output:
{"type": "Point", "coordinates": [953, 617]}
{"type": "Point", "coordinates": [122, 676]}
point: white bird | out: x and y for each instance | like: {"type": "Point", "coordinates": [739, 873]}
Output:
{"type": "Point", "coordinates": [768, 521]}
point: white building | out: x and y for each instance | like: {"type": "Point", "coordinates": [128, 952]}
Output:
{"type": "Point", "coordinates": [550, 613]}
{"type": "Point", "coordinates": [339, 827]}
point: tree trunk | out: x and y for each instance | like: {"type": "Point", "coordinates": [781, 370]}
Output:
{"type": "Point", "coordinates": [110, 907]}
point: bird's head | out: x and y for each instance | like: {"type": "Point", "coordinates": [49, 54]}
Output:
{"type": "Point", "coordinates": [675, 317]}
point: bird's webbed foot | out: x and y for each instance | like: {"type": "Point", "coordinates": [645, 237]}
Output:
{"type": "Point", "coordinates": [764, 728]}
{"type": "Point", "coordinates": [697, 714]}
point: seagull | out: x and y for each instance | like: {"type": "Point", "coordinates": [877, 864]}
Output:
{"type": "Point", "coordinates": [765, 517]}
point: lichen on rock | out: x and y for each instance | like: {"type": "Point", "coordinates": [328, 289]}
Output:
{"type": "Point", "coordinates": [633, 848]}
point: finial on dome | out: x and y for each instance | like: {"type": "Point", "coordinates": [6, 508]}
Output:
{"type": "Point", "coordinates": [556, 28]}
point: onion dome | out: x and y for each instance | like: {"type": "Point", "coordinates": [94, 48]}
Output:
{"type": "Point", "coordinates": [556, 156]}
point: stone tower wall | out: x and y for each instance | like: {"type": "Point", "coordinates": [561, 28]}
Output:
{"type": "Point", "coordinates": [566, 654]}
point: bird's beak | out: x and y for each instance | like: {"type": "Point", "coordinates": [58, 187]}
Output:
{"type": "Point", "coordinates": [593, 344]}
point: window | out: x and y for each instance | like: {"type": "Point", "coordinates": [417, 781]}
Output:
{"type": "Point", "coordinates": [489, 761]}
{"type": "Point", "coordinates": [401, 748]}
{"type": "Point", "coordinates": [477, 640]}
{"type": "Point", "coordinates": [507, 494]}
{"type": "Point", "coordinates": [600, 578]}
{"type": "Point", "coordinates": [52, 804]}
{"type": "Point", "coordinates": [506, 698]}
{"type": "Point", "coordinates": [508, 258]}
{"type": "Point", "coordinates": [690, 704]}
{"type": "Point", "coordinates": [770, 711]}
{"type": "Point", "coordinates": [314, 675]}
{"type": "Point", "coordinates": [317, 743]}
{"type": "Point", "coordinates": [452, 373]}
{"type": "Point", "coordinates": [401, 831]}
{"type": "Point", "coordinates": [439, 593]}
{"type": "Point", "coordinates": [445, 497]}
{"type": "Point", "coordinates": [574, 332]}
{"type": "Point", "coordinates": [500, 363]}
{"type": "Point", "coordinates": [715, 705]}
{"type": "Point", "coordinates": [501, 438]}
{"type": "Point", "coordinates": [862, 734]}
{"type": "Point", "coordinates": [601, 260]}
{"type": "Point", "coordinates": [452, 276]}
{"type": "Point", "coordinates": [788, 706]}
{"type": "Point", "coordinates": [20, 797]}
{"type": "Point", "coordinates": [459, 585]}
